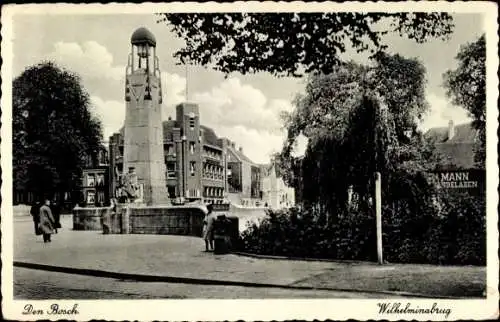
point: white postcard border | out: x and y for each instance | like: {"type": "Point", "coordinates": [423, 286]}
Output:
{"type": "Point", "coordinates": [252, 309]}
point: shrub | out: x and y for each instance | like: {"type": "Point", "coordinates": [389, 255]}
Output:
{"type": "Point", "coordinates": [455, 234]}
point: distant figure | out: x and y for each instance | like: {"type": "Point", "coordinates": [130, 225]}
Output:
{"type": "Point", "coordinates": [35, 213]}
{"type": "Point", "coordinates": [56, 213]}
{"type": "Point", "coordinates": [108, 215]}
{"type": "Point", "coordinates": [46, 221]}
{"type": "Point", "coordinates": [130, 185]}
{"type": "Point", "coordinates": [208, 229]}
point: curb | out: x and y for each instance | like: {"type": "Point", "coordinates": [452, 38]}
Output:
{"type": "Point", "coordinates": [305, 259]}
{"type": "Point", "coordinates": [198, 281]}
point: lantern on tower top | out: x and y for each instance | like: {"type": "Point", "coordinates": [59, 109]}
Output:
{"type": "Point", "coordinates": [143, 62]}
{"type": "Point", "coordinates": [143, 39]}
{"type": "Point", "coordinates": [143, 42]}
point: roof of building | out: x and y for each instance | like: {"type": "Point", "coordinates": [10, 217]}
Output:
{"type": "Point", "coordinates": [209, 136]}
{"type": "Point", "coordinates": [459, 149]}
{"type": "Point", "coordinates": [462, 133]}
{"type": "Point", "coordinates": [240, 156]}
{"type": "Point", "coordinates": [457, 154]}
{"type": "Point", "coordinates": [142, 36]}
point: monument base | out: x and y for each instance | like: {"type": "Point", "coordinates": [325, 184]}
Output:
{"type": "Point", "coordinates": [141, 219]}
{"type": "Point", "coordinates": [89, 218]}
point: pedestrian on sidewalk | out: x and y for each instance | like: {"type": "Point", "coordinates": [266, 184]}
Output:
{"type": "Point", "coordinates": [35, 213]}
{"type": "Point", "coordinates": [47, 221]}
{"type": "Point", "coordinates": [55, 208]}
{"type": "Point", "coordinates": [208, 228]}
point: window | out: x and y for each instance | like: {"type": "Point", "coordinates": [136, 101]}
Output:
{"type": "Point", "coordinates": [90, 180]}
{"type": "Point", "coordinates": [191, 147]}
{"type": "Point", "coordinates": [171, 170]}
{"type": "Point", "coordinates": [171, 191]}
{"type": "Point", "coordinates": [100, 197]}
{"type": "Point", "coordinates": [90, 197]}
{"type": "Point", "coordinates": [191, 122]}
{"type": "Point", "coordinates": [100, 180]}
{"type": "Point", "coordinates": [102, 157]}
{"type": "Point", "coordinates": [192, 167]}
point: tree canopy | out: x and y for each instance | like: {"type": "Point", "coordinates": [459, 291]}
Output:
{"type": "Point", "coordinates": [293, 44]}
{"type": "Point", "coordinates": [359, 120]}
{"type": "Point", "coordinates": [466, 86]}
{"type": "Point", "coordinates": [54, 132]}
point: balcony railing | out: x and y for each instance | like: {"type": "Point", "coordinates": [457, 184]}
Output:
{"type": "Point", "coordinates": [212, 157]}
{"type": "Point", "coordinates": [212, 176]}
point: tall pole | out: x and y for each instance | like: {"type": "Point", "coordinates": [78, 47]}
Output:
{"type": "Point", "coordinates": [378, 214]}
{"type": "Point", "coordinates": [184, 169]}
{"type": "Point", "coordinates": [187, 89]}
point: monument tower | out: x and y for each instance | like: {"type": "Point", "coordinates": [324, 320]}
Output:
{"type": "Point", "coordinates": [143, 137]}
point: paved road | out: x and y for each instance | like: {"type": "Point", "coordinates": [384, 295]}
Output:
{"type": "Point", "coordinates": [34, 284]}
{"type": "Point", "coordinates": [180, 256]}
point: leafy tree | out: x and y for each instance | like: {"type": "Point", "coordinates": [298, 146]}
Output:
{"type": "Point", "coordinates": [466, 86]}
{"type": "Point", "coordinates": [293, 44]}
{"type": "Point", "coordinates": [54, 132]}
{"type": "Point", "coordinates": [359, 120]}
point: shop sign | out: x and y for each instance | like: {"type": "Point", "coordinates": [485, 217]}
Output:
{"type": "Point", "coordinates": [461, 180]}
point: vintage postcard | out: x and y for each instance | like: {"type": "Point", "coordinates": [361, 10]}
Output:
{"type": "Point", "coordinates": [250, 161]}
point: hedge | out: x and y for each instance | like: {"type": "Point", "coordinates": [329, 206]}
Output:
{"type": "Point", "coordinates": [454, 234]}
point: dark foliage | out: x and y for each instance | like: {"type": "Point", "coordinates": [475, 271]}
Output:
{"type": "Point", "coordinates": [455, 234]}
{"type": "Point", "coordinates": [293, 44]}
{"type": "Point", "coordinates": [466, 86]}
{"type": "Point", "coordinates": [54, 132]}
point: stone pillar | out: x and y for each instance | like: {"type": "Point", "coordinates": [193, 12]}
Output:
{"type": "Point", "coordinates": [143, 130]}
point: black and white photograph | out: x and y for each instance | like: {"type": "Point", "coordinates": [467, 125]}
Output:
{"type": "Point", "coordinates": [298, 161]}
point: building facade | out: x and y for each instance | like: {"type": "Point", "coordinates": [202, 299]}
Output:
{"type": "Point", "coordinates": [200, 166]}
{"type": "Point", "coordinates": [275, 192]}
{"type": "Point", "coordinates": [458, 171]}
{"type": "Point", "coordinates": [244, 177]}
{"type": "Point", "coordinates": [95, 181]}
{"type": "Point", "coordinates": [194, 158]}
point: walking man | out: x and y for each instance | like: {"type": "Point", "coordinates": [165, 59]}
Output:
{"type": "Point", "coordinates": [47, 221]}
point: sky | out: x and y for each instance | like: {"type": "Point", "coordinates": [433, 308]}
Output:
{"type": "Point", "coordinates": [245, 109]}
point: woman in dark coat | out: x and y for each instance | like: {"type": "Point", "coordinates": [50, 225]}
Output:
{"type": "Point", "coordinates": [56, 213]}
{"type": "Point", "coordinates": [35, 213]}
{"type": "Point", "coordinates": [47, 221]}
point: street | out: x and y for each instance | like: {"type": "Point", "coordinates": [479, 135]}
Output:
{"type": "Point", "coordinates": [34, 284]}
{"type": "Point", "coordinates": [183, 257]}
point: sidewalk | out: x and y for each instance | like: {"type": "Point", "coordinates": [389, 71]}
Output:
{"type": "Point", "coordinates": [182, 257]}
